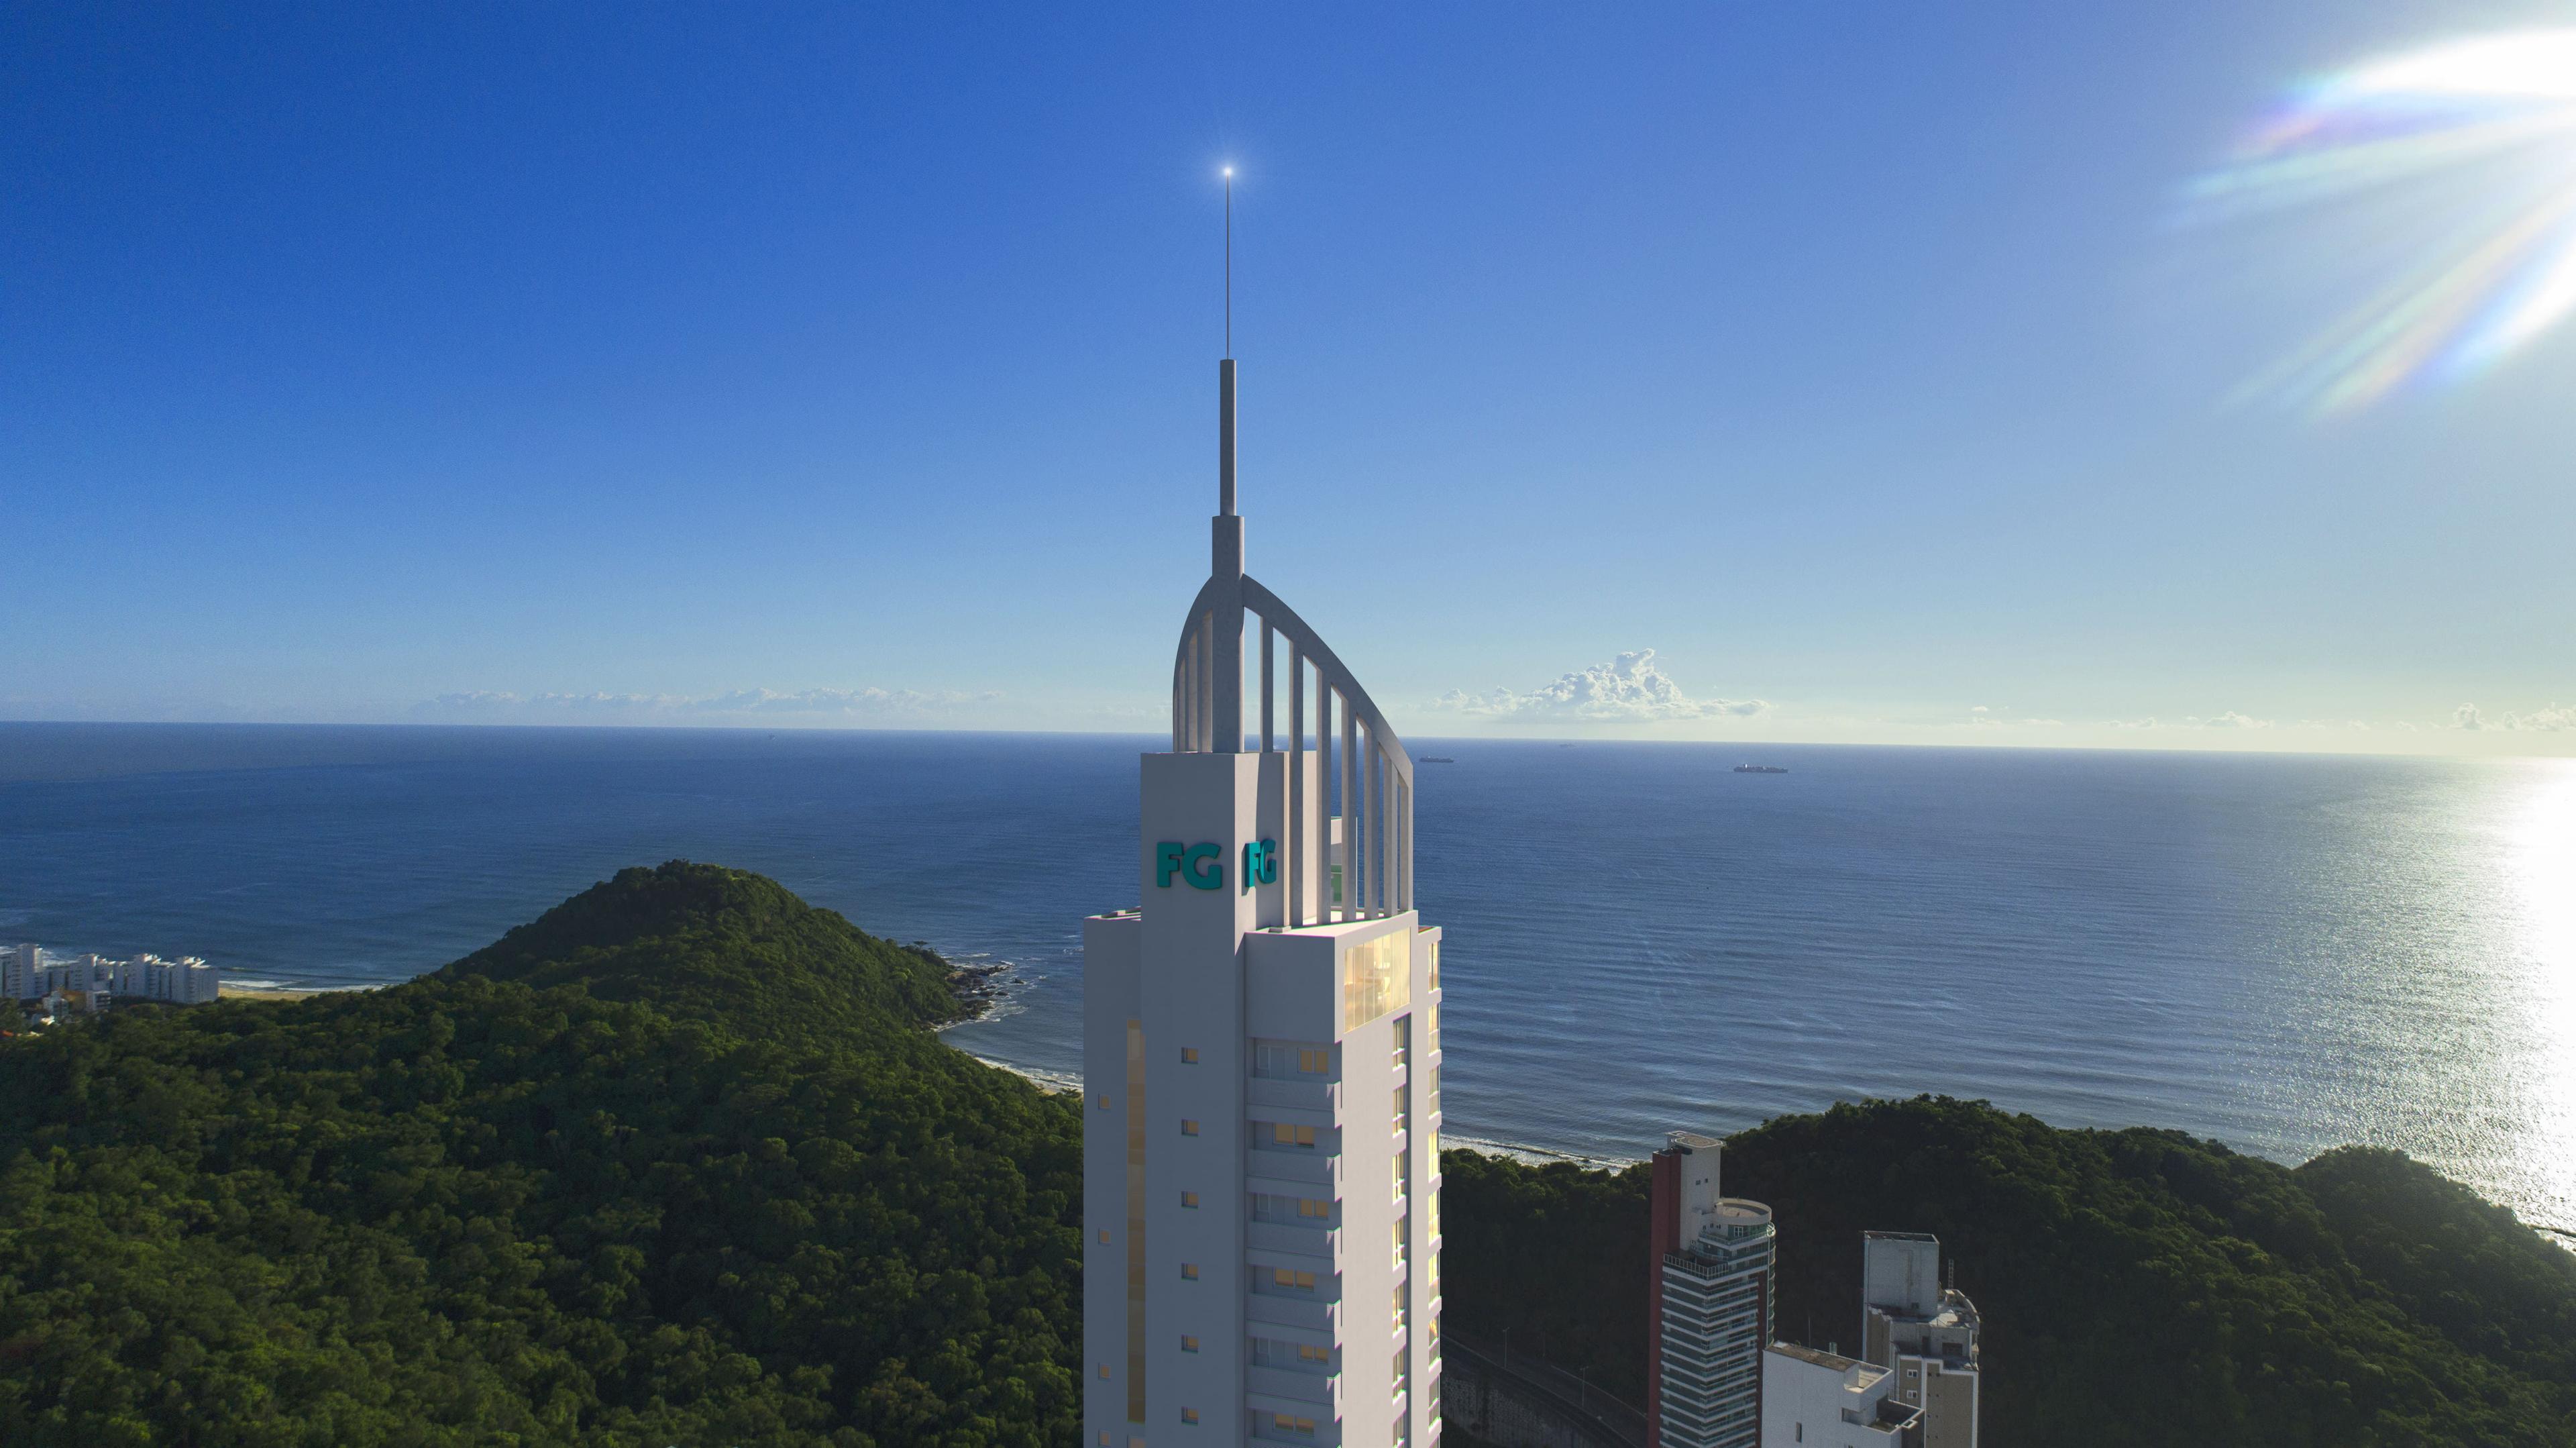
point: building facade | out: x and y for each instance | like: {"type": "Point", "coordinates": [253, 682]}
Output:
{"type": "Point", "coordinates": [1829, 1401]}
{"type": "Point", "coordinates": [1924, 1331]}
{"type": "Point", "coordinates": [1261, 1059]}
{"type": "Point", "coordinates": [1710, 1303]}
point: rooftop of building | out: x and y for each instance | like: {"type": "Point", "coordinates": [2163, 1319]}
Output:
{"type": "Point", "coordinates": [1693, 1141]}
{"type": "Point", "coordinates": [1899, 1237]}
{"type": "Point", "coordinates": [1954, 1310]}
{"type": "Point", "coordinates": [1822, 1358]}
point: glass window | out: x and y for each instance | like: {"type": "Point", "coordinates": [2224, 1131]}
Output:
{"type": "Point", "coordinates": [1189, 1127]}
{"type": "Point", "coordinates": [1189, 1344]}
{"type": "Point", "coordinates": [1190, 1199]}
{"type": "Point", "coordinates": [1190, 1271]}
{"type": "Point", "coordinates": [1189, 1055]}
{"type": "Point", "coordinates": [1434, 953]}
{"type": "Point", "coordinates": [1375, 979]}
{"type": "Point", "coordinates": [1189, 1415]}
{"type": "Point", "coordinates": [1314, 1062]}
{"type": "Point", "coordinates": [1282, 1134]}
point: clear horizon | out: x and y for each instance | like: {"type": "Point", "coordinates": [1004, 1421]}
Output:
{"type": "Point", "coordinates": [1884, 377]}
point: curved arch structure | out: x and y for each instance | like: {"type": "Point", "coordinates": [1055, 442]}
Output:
{"type": "Point", "coordinates": [1362, 815]}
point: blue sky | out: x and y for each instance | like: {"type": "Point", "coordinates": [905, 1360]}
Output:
{"type": "Point", "coordinates": [842, 366]}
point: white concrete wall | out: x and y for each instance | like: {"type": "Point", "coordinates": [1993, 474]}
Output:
{"type": "Point", "coordinates": [1208, 971]}
{"type": "Point", "coordinates": [1902, 1274]}
{"type": "Point", "coordinates": [1803, 1404]}
{"type": "Point", "coordinates": [1110, 950]}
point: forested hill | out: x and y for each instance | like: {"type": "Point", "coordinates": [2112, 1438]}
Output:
{"type": "Point", "coordinates": [2138, 1287]}
{"type": "Point", "coordinates": [682, 1163]}
{"type": "Point", "coordinates": [678, 1163]}
{"type": "Point", "coordinates": [726, 947]}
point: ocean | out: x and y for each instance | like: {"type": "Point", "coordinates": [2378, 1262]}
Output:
{"type": "Point", "coordinates": [2284, 953]}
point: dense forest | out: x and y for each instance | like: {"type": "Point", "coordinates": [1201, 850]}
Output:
{"type": "Point", "coordinates": [678, 1163]}
{"type": "Point", "coordinates": [2138, 1287]}
{"type": "Point", "coordinates": [682, 1163]}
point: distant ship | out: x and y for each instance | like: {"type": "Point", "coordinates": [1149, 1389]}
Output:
{"type": "Point", "coordinates": [1759, 769]}
{"type": "Point", "coordinates": [1435, 759]}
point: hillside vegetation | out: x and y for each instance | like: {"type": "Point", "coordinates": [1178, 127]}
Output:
{"type": "Point", "coordinates": [677, 1163]}
{"type": "Point", "coordinates": [682, 1163]}
{"type": "Point", "coordinates": [2139, 1287]}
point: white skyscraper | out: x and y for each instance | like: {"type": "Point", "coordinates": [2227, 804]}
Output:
{"type": "Point", "coordinates": [1261, 1178]}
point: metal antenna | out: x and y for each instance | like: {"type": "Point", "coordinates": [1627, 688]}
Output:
{"type": "Point", "coordinates": [1225, 391]}
{"type": "Point", "coordinates": [1229, 261]}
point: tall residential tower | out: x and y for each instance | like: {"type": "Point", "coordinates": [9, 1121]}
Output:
{"type": "Point", "coordinates": [1261, 1058]}
{"type": "Point", "coordinates": [1709, 1303]}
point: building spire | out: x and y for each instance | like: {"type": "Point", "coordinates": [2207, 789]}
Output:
{"type": "Point", "coordinates": [1225, 371]}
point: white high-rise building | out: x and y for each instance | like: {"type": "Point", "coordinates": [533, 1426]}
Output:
{"type": "Point", "coordinates": [1261, 1039]}
{"type": "Point", "coordinates": [22, 976]}
{"type": "Point", "coordinates": [1924, 1331]}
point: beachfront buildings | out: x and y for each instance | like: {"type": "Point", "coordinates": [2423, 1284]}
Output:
{"type": "Point", "coordinates": [1924, 1331]}
{"type": "Point", "coordinates": [1709, 1303]}
{"type": "Point", "coordinates": [1261, 1058]}
{"type": "Point", "coordinates": [29, 973]}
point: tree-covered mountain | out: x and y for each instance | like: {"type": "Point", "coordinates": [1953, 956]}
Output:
{"type": "Point", "coordinates": [678, 1163]}
{"type": "Point", "coordinates": [2138, 1287]}
{"type": "Point", "coordinates": [682, 1163]}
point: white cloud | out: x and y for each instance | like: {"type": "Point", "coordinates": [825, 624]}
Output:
{"type": "Point", "coordinates": [1628, 688]}
{"type": "Point", "coordinates": [809, 705]}
{"type": "Point", "coordinates": [2549, 721]}
{"type": "Point", "coordinates": [2229, 720]}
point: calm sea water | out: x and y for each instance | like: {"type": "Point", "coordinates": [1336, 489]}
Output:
{"type": "Point", "coordinates": [2282, 953]}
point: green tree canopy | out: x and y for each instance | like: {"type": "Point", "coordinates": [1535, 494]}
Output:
{"type": "Point", "coordinates": [676, 1163]}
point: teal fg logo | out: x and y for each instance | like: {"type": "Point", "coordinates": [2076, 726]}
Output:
{"type": "Point", "coordinates": [1203, 866]}
{"type": "Point", "coordinates": [1260, 863]}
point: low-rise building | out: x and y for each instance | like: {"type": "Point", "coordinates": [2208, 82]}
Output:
{"type": "Point", "coordinates": [1815, 1399]}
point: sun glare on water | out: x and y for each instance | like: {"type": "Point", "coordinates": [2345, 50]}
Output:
{"type": "Point", "coordinates": [2466, 154]}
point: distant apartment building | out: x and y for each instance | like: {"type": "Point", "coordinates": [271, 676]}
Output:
{"type": "Point", "coordinates": [31, 974]}
{"type": "Point", "coordinates": [1813, 1399]}
{"type": "Point", "coordinates": [1923, 1331]}
{"type": "Point", "coordinates": [21, 973]}
{"type": "Point", "coordinates": [1710, 1304]}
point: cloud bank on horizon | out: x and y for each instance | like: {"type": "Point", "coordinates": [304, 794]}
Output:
{"type": "Point", "coordinates": [1628, 689]}
{"type": "Point", "coordinates": [734, 705]}
{"type": "Point", "coordinates": [2550, 720]}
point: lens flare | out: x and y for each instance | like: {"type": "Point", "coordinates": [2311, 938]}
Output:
{"type": "Point", "coordinates": [2452, 171]}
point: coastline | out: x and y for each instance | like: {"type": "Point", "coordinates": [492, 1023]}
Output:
{"type": "Point", "coordinates": [264, 991]}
